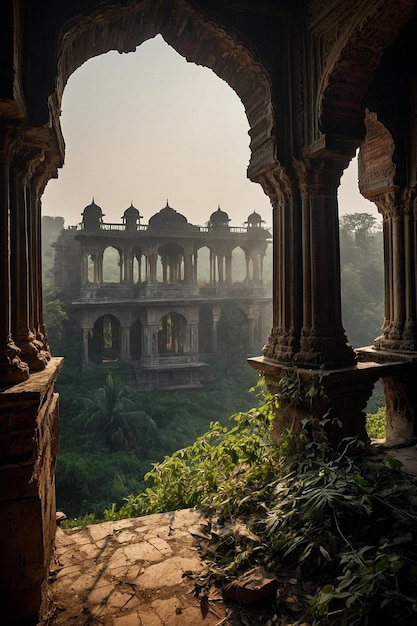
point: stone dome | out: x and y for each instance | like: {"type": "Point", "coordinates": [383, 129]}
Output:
{"type": "Point", "coordinates": [219, 218]}
{"type": "Point", "coordinates": [168, 218]}
{"type": "Point", "coordinates": [92, 216]}
{"type": "Point", "coordinates": [131, 213]}
{"type": "Point", "coordinates": [254, 220]}
{"type": "Point", "coordinates": [93, 210]}
{"type": "Point", "coordinates": [131, 218]}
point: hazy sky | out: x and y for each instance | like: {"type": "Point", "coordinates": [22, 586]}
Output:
{"type": "Point", "coordinates": [148, 127]}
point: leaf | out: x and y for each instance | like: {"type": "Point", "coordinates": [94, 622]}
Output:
{"type": "Point", "coordinates": [325, 553]}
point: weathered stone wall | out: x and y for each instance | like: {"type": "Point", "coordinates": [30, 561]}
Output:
{"type": "Point", "coordinates": [28, 451]}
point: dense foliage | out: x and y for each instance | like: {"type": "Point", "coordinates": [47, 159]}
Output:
{"type": "Point", "coordinates": [362, 277]}
{"type": "Point", "coordinates": [337, 527]}
{"type": "Point", "coordinates": [95, 471]}
{"type": "Point", "coordinates": [111, 434]}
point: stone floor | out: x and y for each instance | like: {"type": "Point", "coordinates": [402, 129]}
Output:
{"type": "Point", "coordinates": [135, 572]}
{"type": "Point", "coordinates": [131, 573]}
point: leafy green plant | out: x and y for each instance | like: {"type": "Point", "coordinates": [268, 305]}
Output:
{"type": "Point", "coordinates": [113, 413]}
{"type": "Point", "coordinates": [338, 524]}
{"type": "Point", "coordinates": [375, 424]}
{"type": "Point", "coordinates": [219, 466]}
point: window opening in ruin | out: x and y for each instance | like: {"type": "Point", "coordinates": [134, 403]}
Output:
{"type": "Point", "coordinates": [172, 335]}
{"type": "Point", "coordinates": [112, 265]}
{"type": "Point", "coordinates": [239, 266]}
{"type": "Point", "coordinates": [105, 341]}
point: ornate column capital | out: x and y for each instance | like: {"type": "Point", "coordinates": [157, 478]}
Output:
{"type": "Point", "coordinates": [319, 176]}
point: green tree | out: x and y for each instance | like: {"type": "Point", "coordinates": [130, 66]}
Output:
{"type": "Point", "coordinates": [54, 313]}
{"type": "Point", "coordinates": [362, 277]}
{"type": "Point", "coordinates": [114, 414]}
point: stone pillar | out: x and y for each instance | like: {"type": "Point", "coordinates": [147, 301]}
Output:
{"type": "Point", "coordinates": [283, 342]}
{"type": "Point", "coordinates": [307, 323]}
{"type": "Point", "coordinates": [215, 322]}
{"type": "Point", "coordinates": [193, 338]}
{"type": "Point", "coordinates": [212, 268]}
{"type": "Point", "coordinates": [401, 404]}
{"type": "Point", "coordinates": [323, 341]}
{"type": "Point", "coordinates": [256, 268]}
{"type": "Point", "coordinates": [128, 266]}
{"type": "Point", "coordinates": [125, 343]}
{"type": "Point", "coordinates": [21, 260]}
{"type": "Point", "coordinates": [188, 268]}
{"type": "Point", "coordinates": [247, 261]}
{"type": "Point", "coordinates": [220, 267]}
{"type": "Point", "coordinates": [84, 269]}
{"type": "Point", "coordinates": [86, 334]}
{"type": "Point", "coordinates": [307, 333]}
{"type": "Point", "coordinates": [229, 277]}
{"type": "Point", "coordinates": [36, 324]}
{"type": "Point", "coordinates": [399, 211]}
{"type": "Point", "coordinates": [12, 369]}
{"type": "Point", "coordinates": [152, 260]}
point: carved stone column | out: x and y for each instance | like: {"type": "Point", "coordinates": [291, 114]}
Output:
{"type": "Point", "coordinates": [152, 261]}
{"type": "Point", "coordinates": [323, 340]}
{"type": "Point", "coordinates": [307, 339]}
{"type": "Point", "coordinates": [284, 340]}
{"type": "Point", "coordinates": [12, 369]}
{"type": "Point", "coordinates": [307, 324]}
{"type": "Point", "coordinates": [380, 165]}
{"type": "Point", "coordinates": [399, 211]}
{"type": "Point", "coordinates": [36, 325]}
{"type": "Point", "coordinates": [22, 275]}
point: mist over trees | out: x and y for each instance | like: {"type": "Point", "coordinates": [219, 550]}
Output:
{"type": "Point", "coordinates": [111, 434]}
{"type": "Point", "coordinates": [362, 277]}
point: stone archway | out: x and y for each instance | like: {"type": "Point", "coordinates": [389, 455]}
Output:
{"type": "Point", "coordinates": [194, 36]}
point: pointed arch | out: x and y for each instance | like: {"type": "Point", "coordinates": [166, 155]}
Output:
{"type": "Point", "coordinates": [194, 36]}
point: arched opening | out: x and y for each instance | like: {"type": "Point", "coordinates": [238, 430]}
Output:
{"type": "Point", "coordinates": [240, 265]}
{"type": "Point", "coordinates": [105, 341]}
{"type": "Point", "coordinates": [171, 266]}
{"type": "Point", "coordinates": [112, 265]}
{"type": "Point", "coordinates": [202, 265]}
{"type": "Point", "coordinates": [172, 335]}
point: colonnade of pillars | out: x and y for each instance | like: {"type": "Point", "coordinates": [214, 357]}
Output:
{"type": "Point", "coordinates": [307, 323]}
{"type": "Point", "coordinates": [175, 268]}
{"type": "Point", "coordinates": [399, 212]}
{"type": "Point", "coordinates": [23, 174]}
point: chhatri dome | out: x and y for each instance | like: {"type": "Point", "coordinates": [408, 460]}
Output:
{"type": "Point", "coordinates": [254, 220]}
{"type": "Point", "coordinates": [92, 216]}
{"type": "Point", "coordinates": [131, 217]}
{"type": "Point", "coordinates": [168, 218]}
{"type": "Point", "coordinates": [219, 219]}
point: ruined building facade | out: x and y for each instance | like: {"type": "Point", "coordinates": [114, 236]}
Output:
{"type": "Point", "coordinates": [319, 80]}
{"type": "Point", "coordinates": [157, 302]}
